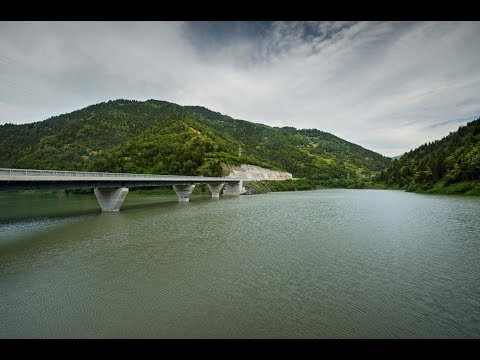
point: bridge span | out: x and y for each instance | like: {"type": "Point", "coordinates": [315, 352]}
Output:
{"type": "Point", "coordinates": [111, 188]}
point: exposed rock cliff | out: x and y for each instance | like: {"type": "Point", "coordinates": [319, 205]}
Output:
{"type": "Point", "coordinates": [253, 172]}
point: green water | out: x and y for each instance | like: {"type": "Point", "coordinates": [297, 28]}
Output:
{"type": "Point", "coordinates": [314, 264]}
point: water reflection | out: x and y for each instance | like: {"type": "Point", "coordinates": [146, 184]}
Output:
{"type": "Point", "coordinates": [330, 263]}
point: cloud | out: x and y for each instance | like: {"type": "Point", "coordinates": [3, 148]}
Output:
{"type": "Point", "coordinates": [388, 86]}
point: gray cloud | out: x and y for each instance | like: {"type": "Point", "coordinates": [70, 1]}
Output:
{"type": "Point", "coordinates": [388, 86]}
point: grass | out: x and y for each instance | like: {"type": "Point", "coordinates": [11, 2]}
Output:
{"type": "Point", "coordinates": [469, 188]}
{"type": "Point", "coordinates": [265, 186]}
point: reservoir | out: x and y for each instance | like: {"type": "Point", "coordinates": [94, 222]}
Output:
{"type": "Point", "coordinates": [313, 264]}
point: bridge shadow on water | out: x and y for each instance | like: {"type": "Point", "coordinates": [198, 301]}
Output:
{"type": "Point", "coordinates": [23, 228]}
{"type": "Point", "coordinates": [27, 208]}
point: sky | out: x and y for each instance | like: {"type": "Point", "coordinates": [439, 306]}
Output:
{"type": "Point", "coordinates": [387, 86]}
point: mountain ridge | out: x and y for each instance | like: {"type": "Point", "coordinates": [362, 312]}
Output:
{"type": "Point", "coordinates": [157, 136]}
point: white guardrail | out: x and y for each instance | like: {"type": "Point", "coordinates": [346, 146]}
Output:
{"type": "Point", "coordinates": [79, 174]}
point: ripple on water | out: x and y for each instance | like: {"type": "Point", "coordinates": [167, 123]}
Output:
{"type": "Point", "coordinates": [318, 264]}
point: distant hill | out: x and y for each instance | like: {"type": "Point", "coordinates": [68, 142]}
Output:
{"type": "Point", "coordinates": [165, 138]}
{"type": "Point", "coordinates": [450, 165]}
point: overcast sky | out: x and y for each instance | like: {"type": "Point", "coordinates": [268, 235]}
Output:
{"type": "Point", "coordinates": [387, 86]}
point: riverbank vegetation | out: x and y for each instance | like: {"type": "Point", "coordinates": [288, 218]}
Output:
{"type": "Point", "coordinates": [447, 166]}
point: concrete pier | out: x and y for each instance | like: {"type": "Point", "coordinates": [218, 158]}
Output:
{"type": "Point", "coordinates": [215, 189]}
{"type": "Point", "coordinates": [111, 199]}
{"type": "Point", "coordinates": [234, 189]}
{"type": "Point", "coordinates": [183, 192]}
{"type": "Point", "coordinates": [111, 188]}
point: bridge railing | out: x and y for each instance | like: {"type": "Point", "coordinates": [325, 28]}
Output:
{"type": "Point", "coordinates": [34, 172]}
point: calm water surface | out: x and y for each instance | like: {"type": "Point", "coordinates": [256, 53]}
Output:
{"type": "Point", "coordinates": [316, 264]}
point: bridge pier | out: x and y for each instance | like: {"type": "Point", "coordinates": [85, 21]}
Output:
{"type": "Point", "coordinates": [111, 199]}
{"type": "Point", "coordinates": [215, 189]}
{"type": "Point", "coordinates": [183, 192]}
{"type": "Point", "coordinates": [234, 189]}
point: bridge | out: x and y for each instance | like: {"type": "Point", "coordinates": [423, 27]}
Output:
{"type": "Point", "coordinates": [111, 189]}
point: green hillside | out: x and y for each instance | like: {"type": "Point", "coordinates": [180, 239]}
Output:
{"type": "Point", "coordinates": [449, 166]}
{"type": "Point", "coordinates": [165, 138]}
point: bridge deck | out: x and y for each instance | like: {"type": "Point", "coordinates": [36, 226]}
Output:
{"type": "Point", "coordinates": [27, 179]}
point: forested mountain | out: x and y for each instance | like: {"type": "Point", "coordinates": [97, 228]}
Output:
{"type": "Point", "coordinates": [449, 165]}
{"type": "Point", "coordinates": [165, 138]}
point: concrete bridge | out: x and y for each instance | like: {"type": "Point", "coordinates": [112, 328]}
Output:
{"type": "Point", "coordinates": [111, 188]}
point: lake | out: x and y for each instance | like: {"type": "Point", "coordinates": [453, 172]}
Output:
{"type": "Point", "coordinates": [313, 264]}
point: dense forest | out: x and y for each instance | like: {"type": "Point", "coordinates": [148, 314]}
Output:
{"type": "Point", "coordinates": [164, 138]}
{"type": "Point", "coordinates": [450, 165]}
